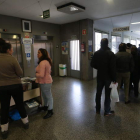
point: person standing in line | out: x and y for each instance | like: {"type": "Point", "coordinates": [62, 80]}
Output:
{"type": "Point", "coordinates": [10, 86]}
{"type": "Point", "coordinates": [125, 65]}
{"type": "Point", "coordinates": [135, 75]}
{"type": "Point", "coordinates": [43, 75]}
{"type": "Point", "coordinates": [104, 61]}
{"type": "Point", "coordinates": [139, 50]}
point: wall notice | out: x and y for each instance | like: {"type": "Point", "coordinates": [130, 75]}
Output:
{"type": "Point", "coordinates": [64, 47]}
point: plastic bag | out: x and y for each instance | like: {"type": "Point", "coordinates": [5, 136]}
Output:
{"type": "Point", "coordinates": [14, 115]}
{"type": "Point", "coordinates": [114, 92]}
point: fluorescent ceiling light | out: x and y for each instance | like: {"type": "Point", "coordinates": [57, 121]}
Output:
{"type": "Point", "coordinates": [136, 23]}
{"type": "Point", "coordinates": [137, 31]}
{"type": "Point", "coordinates": [73, 9]}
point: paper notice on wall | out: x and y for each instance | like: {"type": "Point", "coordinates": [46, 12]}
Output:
{"type": "Point", "coordinates": [90, 42]}
{"type": "Point", "coordinates": [27, 40]}
{"type": "Point", "coordinates": [27, 48]}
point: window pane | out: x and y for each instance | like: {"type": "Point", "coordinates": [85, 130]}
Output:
{"type": "Point", "coordinates": [105, 36]}
{"type": "Point", "coordinates": [75, 55]}
{"type": "Point", "coordinates": [133, 42]}
{"type": "Point", "coordinates": [98, 37]}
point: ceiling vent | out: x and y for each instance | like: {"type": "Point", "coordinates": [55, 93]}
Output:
{"type": "Point", "coordinates": [71, 8]}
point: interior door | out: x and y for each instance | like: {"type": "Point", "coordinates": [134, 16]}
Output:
{"type": "Point", "coordinates": [75, 58]}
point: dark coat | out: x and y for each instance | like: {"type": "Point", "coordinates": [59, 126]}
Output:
{"type": "Point", "coordinates": [104, 61]}
{"type": "Point", "coordinates": [124, 62]}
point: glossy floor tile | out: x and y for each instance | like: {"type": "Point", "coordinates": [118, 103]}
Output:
{"type": "Point", "coordinates": [75, 118]}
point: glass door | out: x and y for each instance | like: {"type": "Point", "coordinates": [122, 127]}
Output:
{"type": "Point", "coordinates": [75, 58]}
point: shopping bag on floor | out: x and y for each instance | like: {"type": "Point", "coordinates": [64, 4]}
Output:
{"type": "Point", "coordinates": [14, 115]}
{"type": "Point", "coordinates": [114, 92]}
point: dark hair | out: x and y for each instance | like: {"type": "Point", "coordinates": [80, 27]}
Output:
{"type": "Point", "coordinates": [4, 46]}
{"type": "Point", "coordinates": [104, 43]}
{"type": "Point", "coordinates": [122, 47]}
{"type": "Point", "coordinates": [129, 45]}
{"type": "Point", "coordinates": [134, 50]}
{"type": "Point", "coordinates": [44, 56]}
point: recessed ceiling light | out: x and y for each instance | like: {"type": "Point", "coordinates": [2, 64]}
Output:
{"type": "Point", "coordinates": [41, 16]}
{"type": "Point", "coordinates": [136, 23]}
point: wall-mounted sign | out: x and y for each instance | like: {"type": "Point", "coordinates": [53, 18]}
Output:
{"type": "Point", "coordinates": [46, 14]}
{"type": "Point", "coordinates": [122, 29]}
{"type": "Point", "coordinates": [90, 45]}
{"type": "Point", "coordinates": [84, 32]}
{"type": "Point", "coordinates": [27, 41]}
{"type": "Point", "coordinates": [64, 47]}
{"type": "Point", "coordinates": [27, 48]}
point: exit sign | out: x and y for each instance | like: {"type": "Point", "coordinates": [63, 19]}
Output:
{"type": "Point", "coordinates": [46, 14]}
{"type": "Point", "coordinates": [84, 32]}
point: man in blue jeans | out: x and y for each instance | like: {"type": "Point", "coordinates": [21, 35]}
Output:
{"type": "Point", "coordinates": [104, 61]}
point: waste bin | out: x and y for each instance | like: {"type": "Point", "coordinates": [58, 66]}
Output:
{"type": "Point", "coordinates": [62, 70]}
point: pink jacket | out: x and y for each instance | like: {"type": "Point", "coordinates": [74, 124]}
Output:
{"type": "Point", "coordinates": [43, 73]}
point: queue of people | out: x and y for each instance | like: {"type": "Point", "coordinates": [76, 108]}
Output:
{"type": "Point", "coordinates": [10, 85]}
{"type": "Point", "coordinates": [123, 67]}
{"type": "Point", "coordinates": [111, 68]}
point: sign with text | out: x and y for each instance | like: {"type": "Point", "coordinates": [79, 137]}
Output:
{"type": "Point", "coordinates": [121, 29]}
{"type": "Point", "coordinates": [27, 40]}
{"type": "Point", "coordinates": [46, 14]}
{"type": "Point", "coordinates": [84, 32]}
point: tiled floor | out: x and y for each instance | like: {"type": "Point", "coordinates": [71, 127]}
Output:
{"type": "Point", "coordinates": [75, 118]}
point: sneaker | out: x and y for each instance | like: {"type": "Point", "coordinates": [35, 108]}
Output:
{"type": "Point", "coordinates": [26, 126]}
{"type": "Point", "coordinates": [128, 102]}
{"type": "Point", "coordinates": [110, 113]}
{"type": "Point", "coordinates": [4, 134]}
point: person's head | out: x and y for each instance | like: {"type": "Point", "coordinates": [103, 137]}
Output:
{"type": "Point", "coordinates": [5, 47]}
{"type": "Point", "coordinates": [104, 43]}
{"type": "Point", "coordinates": [133, 50]}
{"type": "Point", "coordinates": [122, 47]}
{"type": "Point", "coordinates": [129, 45]}
{"type": "Point", "coordinates": [43, 55]}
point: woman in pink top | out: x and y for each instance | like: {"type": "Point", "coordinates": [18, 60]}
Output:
{"type": "Point", "coordinates": [43, 75]}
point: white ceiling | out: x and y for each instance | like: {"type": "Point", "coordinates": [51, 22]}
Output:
{"type": "Point", "coordinates": [30, 9]}
{"type": "Point", "coordinates": [108, 24]}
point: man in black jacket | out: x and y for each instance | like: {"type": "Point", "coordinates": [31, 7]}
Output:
{"type": "Point", "coordinates": [124, 65]}
{"type": "Point", "coordinates": [105, 63]}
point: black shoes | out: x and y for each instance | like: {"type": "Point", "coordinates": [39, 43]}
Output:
{"type": "Point", "coordinates": [4, 134]}
{"type": "Point", "coordinates": [26, 126]}
{"type": "Point", "coordinates": [110, 113]}
{"type": "Point", "coordinates": [128, 102]}
{"type": "Point", "coordinates": [49, 114]}
{"type": "Point", "coordinates": [44, 108]}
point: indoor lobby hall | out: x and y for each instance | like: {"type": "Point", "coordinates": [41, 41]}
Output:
{"type": "Point", "coordinates": [75, 116]}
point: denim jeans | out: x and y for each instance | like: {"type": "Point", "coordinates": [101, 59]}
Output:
{"type": "Point", "coordinates": [47, 95]}
{"type": "Point", "coordinates": [100, 86]}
